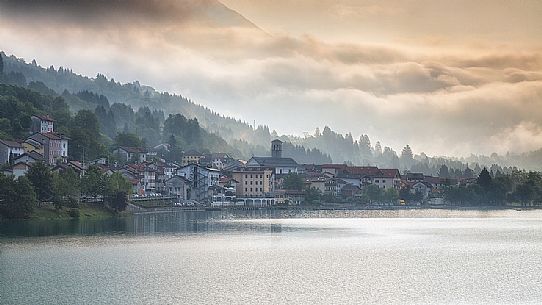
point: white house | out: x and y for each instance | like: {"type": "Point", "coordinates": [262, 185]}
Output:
{"type": "Point", "coordinates": [42, 124]}
{"type": "Point", "coordinates": [10, 150]}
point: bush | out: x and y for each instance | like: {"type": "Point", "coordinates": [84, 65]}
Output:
{"type": "Point", "coordinates": [73, 213]}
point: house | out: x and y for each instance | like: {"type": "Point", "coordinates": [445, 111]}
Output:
{"type": "Point", "coordinates": [232, 165]}
{"type": "Point", "coordinates": [30, 145]}
{"type": "Point", "coordinates": [318, 184]}
{"type": "Point", "coordinates": [228, 182]}
{"type": "Point", "coordinates": [178, 187]}
{"type": "Point", "coordinates": [101, 161]}
{"type": "Point", "coordinates": [55, 146]}
{"type": "Point", "coordinates": [131, 154]}
{"type": "Point", "coordinates": [254, 181]}
{"type": "Point", "coordinates": [20, 169]}
{"type": "Point", "coordinates": [191, 157]}
{"type": "Point", "coordinates": [280, 165]}
{"type": "Point", "coordinates": [10, 150]}
{"type": "Point", "coordinates": [420, 187]}
{"type": "Point", "coordinates": [42, 124]}
{"type": "Point", "coordinates": [350, 191]}
{"type": "Point", "coordinates": [289, 197]}
{"type": "Point", "coordinates": [145, 176]}
{"type": "Point", "coordinates": [388, 178]}
{"type": "Point", "coordinates": [333, 169]}
{"type": "Point", "coordinates": [29, 157]}
{"type": "Point", "coordinates": [414, 177]}
{"type": "Point", "coordinates": [216, 160]}
{"type": "Point", "coordinates": [201, 178]}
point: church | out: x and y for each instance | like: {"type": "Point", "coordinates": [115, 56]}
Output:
{"type": "Point", "coordinates": [280, 165]}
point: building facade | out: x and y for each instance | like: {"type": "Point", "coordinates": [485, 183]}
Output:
{"type": "Point", "coordinates": [254, 182]}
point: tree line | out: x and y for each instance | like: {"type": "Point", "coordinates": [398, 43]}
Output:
{"type": "Point", "coordinates": [63, 189]}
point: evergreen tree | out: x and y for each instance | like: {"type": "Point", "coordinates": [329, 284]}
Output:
{"type": "Point", "coordinates": [443, 171]}
{"type": "Point", "coordinates": [484, 179]}
{"type": "Point", "coordinates": [407, 157]}
{"type": "Point", "coordinates": [1, 63]}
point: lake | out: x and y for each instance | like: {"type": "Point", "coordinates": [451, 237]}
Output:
{"type": "Point", "coordinates": [277, 257]}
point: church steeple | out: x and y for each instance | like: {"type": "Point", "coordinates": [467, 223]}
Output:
{"type": "Point", "coordinates": [276, 148]}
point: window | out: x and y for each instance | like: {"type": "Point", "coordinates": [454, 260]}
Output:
{"type": "Point", "coordinates": [251, 182]}
{"type": "Point", "coordinates": [377, 181]}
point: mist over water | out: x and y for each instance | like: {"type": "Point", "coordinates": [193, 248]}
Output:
{"type": "Point", "coordinates": [361, 257]}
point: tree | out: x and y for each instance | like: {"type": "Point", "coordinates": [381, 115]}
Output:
{"type": "Point", "coordinates": [407, 157]}
{"type": "Point", "coordinates": [118, 201]}
{"type": "Point", "coordinates": [372, 193]}
{"type": "Point", "coordinates": [468, 173]}
{"type": "Point", "coordinates": [312, 195]}
{"type": "Point", "coordinates": [293, 182]}
{"type": "Point", "coordinates": [93, 182]}
{"type": "Point", "coordinates": [1, 64]}
{"type": "Point", "coordinates": [85, 136]}
{"type": "Point", "coordinates": [17, 197]}
{"type": "Point", "coordinates": [66, 187]}
{"type": "Point", "coordinates": [128, 140]}
{"type": "Point", "coordinates": [484, 179]}
{"type": "Point", "coordinates": [443, 171]}
{"type": "Point", "coordinates": [390, 195]}
{"type": "Point", "coordinates": [117, 183]}
{"type": "Point", "coordinates": [41, 178]}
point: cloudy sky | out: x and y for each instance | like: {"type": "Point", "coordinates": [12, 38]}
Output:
{"type": "Point", "coordinates": [447, 77]}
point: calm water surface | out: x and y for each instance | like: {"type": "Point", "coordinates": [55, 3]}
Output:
{"type": "Point", "coordinates": [277, 257]}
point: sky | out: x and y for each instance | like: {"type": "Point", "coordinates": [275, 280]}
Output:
{"type": "Point", "coordinates": [446, 77]}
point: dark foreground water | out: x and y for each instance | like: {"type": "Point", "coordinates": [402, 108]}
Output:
{"type": "Point", "coordinates": [280, 257]}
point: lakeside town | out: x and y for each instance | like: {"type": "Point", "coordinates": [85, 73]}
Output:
{"type": "Point", "coordinates": [217, 180]}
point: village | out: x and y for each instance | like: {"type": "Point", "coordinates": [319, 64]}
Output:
{"type": "Point", "coordinates": [219, 180]}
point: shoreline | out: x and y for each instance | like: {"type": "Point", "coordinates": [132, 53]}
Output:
{"type": "Point", "coordinates": [331, 208]}
{"type": "Point", "coordinates": [97, 212]}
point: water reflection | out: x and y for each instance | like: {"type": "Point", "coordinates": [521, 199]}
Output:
{"type": "Point", "coordinates": [143, 224]}
{"type": "Point", "coordinates": [193, 222]}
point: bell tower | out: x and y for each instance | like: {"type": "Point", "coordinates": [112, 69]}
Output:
{"type": "Point", "coordinates": [276, 148]}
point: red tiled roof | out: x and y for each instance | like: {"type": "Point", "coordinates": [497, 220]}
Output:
{"type": "Point", "coordinates": [390, 173]}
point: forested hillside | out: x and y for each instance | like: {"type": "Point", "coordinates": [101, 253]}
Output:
{"type": "Point", "coordinates": [142, 110]}
{"type": "Point", "coordinates": [152, 124]}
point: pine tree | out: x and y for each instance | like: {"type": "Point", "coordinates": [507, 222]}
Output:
{"type": "Point", "coordinates": [1, 64]}
{"type": "Point", "coordinates": [407, 157]}
{"type": "Point", "coordinates": [484, 179]}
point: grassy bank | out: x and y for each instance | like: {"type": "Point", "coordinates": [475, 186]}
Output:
{"type": "Point", "coordinates": [85, 211]}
